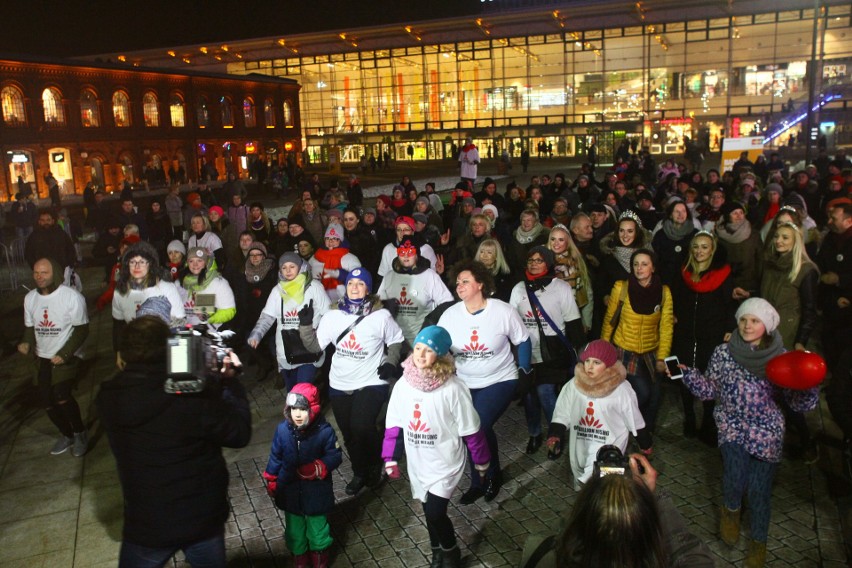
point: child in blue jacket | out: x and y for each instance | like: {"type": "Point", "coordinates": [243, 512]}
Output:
{"type": "Point", "coordinates": [298, 475]}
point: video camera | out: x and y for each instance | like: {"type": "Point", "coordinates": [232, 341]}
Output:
{"type": "Point", "coordinates": [610, 461]}
{"type": "Point", "coordinates": [193, 357]}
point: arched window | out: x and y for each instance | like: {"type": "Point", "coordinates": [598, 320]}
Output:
{"type": "Point", "coordinates": [54, 113]}
{"type": "Point", "coordinates": [13, 106]}
{"type": "Point", "coordinates": [150, 109]}
{"type": "Point", "coordinates": [121, 109]}
{"type": "Point", "coordinates": [203, 113]}
{"type": "Point", "coordinates": [288, 114]}
{"type": "Point", "coordinates": [248, 113]}
{"type": "Point", "coordinates": [177, 111]}
{"type": "Point", "coordinates": [269, 113]}
{"type": "Point", "coordinates": [90, 116]}
{"type": "Point", "coordinates": [227, 112]}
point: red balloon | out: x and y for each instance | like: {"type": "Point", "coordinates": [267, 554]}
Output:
{"type": "Point", "coordinates": [797, 370]}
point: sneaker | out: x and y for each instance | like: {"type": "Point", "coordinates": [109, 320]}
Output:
{"type": "Point", "coordinates": [62, 445]}
{"type": "Point", "coordinates": [81, 444]}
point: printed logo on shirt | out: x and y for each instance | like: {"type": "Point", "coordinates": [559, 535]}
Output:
{"type": "Point", "coordinates": [351, 348]}
{"type": "Point", "coordinates": [475, 349]}
{"type": "Point", "coordinates": [406, 306]}
{"type": "Point", "coordinates": [291, 319]}
{"type": "Point", "coordinates": [45, 327]}
{"type": "Point", "coordinates": [589, 427]}
{"type": "Point", "coordinates": [418, 431]}
{"type": "Point", "coordinates": [529, 319]}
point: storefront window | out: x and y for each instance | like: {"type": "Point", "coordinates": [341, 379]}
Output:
{"type": "Point", "coordinates": [288, 115]}
{"type": "Point", "coordinates": [203, 113]}
{"type": "Point", "coordinates": [54, 113]}
{"type": "Point", "coordinates": [177, 112]}
{"type": "Point", "coordinates": [150, 109]}
{"type": "Point", "coordinates": [13, 106]}
{"type": "Point", "coordinates": [90, 116]}
{"type": "Point", "coordinates": [248, 113]}
{"type": "Point", "coordinates": [21, 164]}
{"type": "Point", "coordinates": [226, 111]}
{"type": "Point", "coordinates": [60, 167]}
{"type": "Point", "coordinates": [269, 113]}
{"type": "Point", "coordinates": [121, 109]}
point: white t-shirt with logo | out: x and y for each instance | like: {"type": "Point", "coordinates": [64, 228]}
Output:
{"type": "Point", "coordinates": [124, 307]}
{"type": "Point", "coordinates": [209, 241]}
{"type": "Point", "coordinates": [53, 317]}
{"type": "Point", "coordinates": [389, 253]}
{"type": "Point", "coordinates": [216, 296]}
{"type": "Point", "coordinates": [417, 295]}
{"type": "Point", "coordinates": [557, 299]}
{"type": "Point", "coordinates": [290, 318]}
{"type": "Point", "coordinates": [482, 343]}
{"type": "Point", "coordinates": [433, 424]}
{"type": "Point", "coordinates": [360, 352]}
{"type": "Point", "coordinates": [595, 422]}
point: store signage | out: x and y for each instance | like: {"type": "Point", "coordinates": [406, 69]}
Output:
{"type": "Point", "coordinates": [57, 157]}
{"type": "Point", "coordinates": [18, 158]}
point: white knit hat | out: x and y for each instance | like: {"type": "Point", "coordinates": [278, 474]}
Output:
{"type": "Point", "coordinates": [761, 309]}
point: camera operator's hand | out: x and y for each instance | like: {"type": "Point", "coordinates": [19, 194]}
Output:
{"type": "Point", "coordinates": [648, 476]}
{"type": "Point", "coordinates": [306, 314]}
{"type": "Point", "coordinates": [230, 364]}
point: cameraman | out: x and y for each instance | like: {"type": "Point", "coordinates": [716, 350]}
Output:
{"type": "Point", "coordinates": [168, 449]}
{"type": "Point", "coordinates": [620, 521]}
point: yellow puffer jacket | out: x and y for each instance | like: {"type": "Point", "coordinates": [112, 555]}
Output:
{"type": "Point", "coordinates": [640, 333]}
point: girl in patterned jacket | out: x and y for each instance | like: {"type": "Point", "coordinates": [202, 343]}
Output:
{"type": "Point", "coordinates": [749, 418]}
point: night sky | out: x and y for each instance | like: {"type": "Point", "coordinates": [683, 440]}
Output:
{"type": "Point", "coordinates": [60, 28]}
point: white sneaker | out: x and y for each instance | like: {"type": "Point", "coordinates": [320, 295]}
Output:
{"type": "Point", "coordinates": [61, 446]}
{"type": "Point", "coordinates": [81, 444]}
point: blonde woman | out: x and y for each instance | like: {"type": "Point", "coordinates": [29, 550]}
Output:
{"type": "Point", "coordinates": [571, 268]}
{"type": "Point", "coordinates": [490, 253]}
{"type": "Point", "coordinates": [791, 214]}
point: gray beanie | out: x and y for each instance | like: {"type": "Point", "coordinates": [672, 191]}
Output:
{"type": "Point", "coordinates": [761, 309]}
{"type": "Point", "coordinates": [158, 306]}
{"type": "Point", "coordinates": [177, 246]}
{"type": "Point", "coordinates": [290, 257]}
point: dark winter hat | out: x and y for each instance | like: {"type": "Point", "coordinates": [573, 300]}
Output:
{"type": "Point", "coordinates": [546, 255]}
{"type": "Point", "coordinates": [290, 257]}
{"type": "Point", "coordinates": [369, 211]}
{"type": "Point", "coordinates": [422, 199]}
{"type": "Point", "coordinates": [158, 306]}
{"type": "Point", "coordinates": [601, 350]}
{"type": "Point", "coordinates": [774, 188]}
{"type": "Point", "coordinates": [644, 195]}
{"type": "Point", "coordinates": [435, 338]}
{"type": "Point", "coordinates": [420, 217]}
{"type": "Point", "coordinates": [729, 208]}
{"type": "Point", "coordinates": [361, 274]}
{"type": "Point", "coordinates": [297, 219]}
{"type": "Point", "coordinates": [258, 246]}
{"type": "Point", "coordinates": [469, 201]}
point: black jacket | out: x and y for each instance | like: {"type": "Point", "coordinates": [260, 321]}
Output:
{"type": "Point", "coordinates": [168, 449]}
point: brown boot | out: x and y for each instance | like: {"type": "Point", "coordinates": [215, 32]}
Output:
{"type": "Point", "coordinates": [756, 556]}
{"type": "Point", "coordinates": [729, 526]}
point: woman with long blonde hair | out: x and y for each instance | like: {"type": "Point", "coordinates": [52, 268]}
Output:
{"type": "Point", "coordinates": [490, 253]}
{"type": "Point", "coordinates": [571, 268]}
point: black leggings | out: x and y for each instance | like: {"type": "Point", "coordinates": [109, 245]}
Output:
{"type": "Point", "coordinates": [438, 523]}
{"type": "Point", "coordinates": [61, 407]}
{"type": "Point", "coordinates": [357, 415]}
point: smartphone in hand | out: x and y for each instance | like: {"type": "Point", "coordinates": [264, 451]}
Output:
{"type": "Point", "coordinates": [672, 364]}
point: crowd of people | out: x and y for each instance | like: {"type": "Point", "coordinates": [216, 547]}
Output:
{"type": "Point", "coordinates": [567, 295]}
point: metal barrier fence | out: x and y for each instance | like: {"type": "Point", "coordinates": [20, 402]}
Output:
{"type": "Point", "coordinates": [13, 266]}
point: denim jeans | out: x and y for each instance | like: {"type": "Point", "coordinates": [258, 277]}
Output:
{"type": "Point", "coordinates": [490, 403]}
{"type": "Point", "coordinates": [543, 399]}
{"type": "Point", "coordinates": [209, 553]}
{"type": "Point", "coordinates": [301, 374]}
{"type": "Point", "coordinates": [743, 473]}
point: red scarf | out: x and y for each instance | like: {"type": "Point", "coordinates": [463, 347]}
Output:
{"type": "Point", "coordinates": [468, 147]}
{"type": "Point", "coordinates": [708, 281]}
{"type": "Point", "coordinates": [531, 277]}
{"type": "Point", "coordinates": [771, 212]}
{"type": "Point", "coordinates": [330, 259]}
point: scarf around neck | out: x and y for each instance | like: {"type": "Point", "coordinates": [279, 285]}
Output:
{"type": "Point", "coordinates": [603, 385]}
{"type": "Point", "coordinates": [526, 237]}
{"type": "Point", "coordinates": [676, 233]}
{"type": "Point", "coordinates": [645, 300]}
{"type": "Point", "coordinates": [753, 359]}
{"type": "Point", "coordinates": [331, 259]}
{"type": "Point", "coordinates": [735, 234]}
{"type": "Point", "coordinates": [622, 254]}
{"type": "Point", "coordinates": [360, 307]}
{"type": "Point", "coordinates": [294, 288]}
{"type": "Point", "coordinates": [257, 273]}
{"type": "Point", "coordinates": [708, 281]}
{"type": "Point", "coordinates": [424, 380]}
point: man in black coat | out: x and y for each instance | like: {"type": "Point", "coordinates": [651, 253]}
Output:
{"type": "Point", "coordinates": [48, 240]}
{"type": "Point", "coordinates": [168, 449]}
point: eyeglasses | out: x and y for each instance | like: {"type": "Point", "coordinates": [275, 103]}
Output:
{"type": "Point", "coordinates": [260, 254]}
{"type": "Point", "coordinates": [137, 263]}
{"type": "Point", "coordinates": [535, 261]}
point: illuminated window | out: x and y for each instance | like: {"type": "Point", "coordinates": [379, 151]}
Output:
{"type": "Point", "coordinates": [177, 111]}
{"type": "Point", "coordinates": [54, 114]}
{"type": "Point", "coordinates": [288, 115]}
{"type": "Point", "coordinates": [269, 113]}
{"type": "Point", "coordinates": [203, 113]}
{"type": "Point", "coordinates": [150, 110]}
{"type": "Point", "coordinates": [90, 116]}
{"type": "Point", "coordinates": [248, 113]}
{"type": "Point", "coordinates": [226, 112]}
{"type": "Point", "coordinates": [13, 106]}
{"type": "Point", "coordinates": [121, 109]}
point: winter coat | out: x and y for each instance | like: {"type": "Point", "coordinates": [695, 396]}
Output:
{"type": "Point", "coordinates": [292, 448]}
{"type": "Point", "coordinates": [704, 311]}
{"type": "Point", "coordinates": [747, 411]}
{"type": "Point", "coordinates": [640, 333]}
{"type": "Point", "coordinates": [168, 452]}
{"type": "Point", "coordinates": [835, 255]}
{"type": "Point", "coordinates": [672, 254]}
{"type": "Point", "coordinates": [795, 301]}
{"type": "Point", "coordinates": [746, 260]}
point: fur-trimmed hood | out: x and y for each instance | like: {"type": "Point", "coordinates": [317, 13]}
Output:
{"type": "Point", "coordinates": [603, 385]}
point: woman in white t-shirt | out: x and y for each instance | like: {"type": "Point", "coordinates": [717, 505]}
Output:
{"type": "Point", "coordinates": [140, 278]}
{"type": "Point", "coordinates": [433, 414]}
{"type": "Point", "coordinates": [367, 344]}
{"type": "Point", "coordinates": [483, 330]}
{"type": "Point", "coordinates": [204, 237]}
{"type": "Point", "coordinates": [207, 297]}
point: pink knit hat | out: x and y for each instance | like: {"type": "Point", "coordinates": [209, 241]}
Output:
{"type": "Point", "coordinates": [602, 350]}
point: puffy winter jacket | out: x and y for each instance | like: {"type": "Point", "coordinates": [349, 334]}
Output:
{"type": "Point", "coordinates": [640, 333]}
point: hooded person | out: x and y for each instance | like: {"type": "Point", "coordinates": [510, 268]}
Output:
{"type": "Point", "coordinates": [304, 452]}
{"type": "Point", "coordinates": [332, 261]}
{"type": "Point", "coordinates": [207, 297]}
{"type": "Point", "coordinates": [430, 389]}
{"type": "Point", "coordinates": [176, 251]}
{"type": "Point", "coordinates": [601, 401]}
{"type": "Point", "coordinates": [297, 302]}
